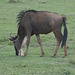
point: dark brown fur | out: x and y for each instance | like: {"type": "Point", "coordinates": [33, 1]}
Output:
{"type": "Point", "coordinates": [40, 22]}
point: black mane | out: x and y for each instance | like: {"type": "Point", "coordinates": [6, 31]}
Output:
{"type": "Point", "coordinates": [21, 14]}
{"type": "Point", "coordinates": [32, 11]}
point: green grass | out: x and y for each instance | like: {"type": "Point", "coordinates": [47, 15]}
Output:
{"type": "Point", "coordinates": [33, 64]}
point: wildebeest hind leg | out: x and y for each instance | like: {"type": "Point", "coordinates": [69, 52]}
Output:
{"type": "Point", "coordinates": [56, 50]}
{"type": "Point", "coordinates": [59, 38]}
{"type": "Point", "coordinates": [39, 41]}
{"type": "Point", "coordinates": [65, 50]}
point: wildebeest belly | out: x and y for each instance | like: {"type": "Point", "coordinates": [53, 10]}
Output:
{"type": "Point", "coordinates": [42, 29]}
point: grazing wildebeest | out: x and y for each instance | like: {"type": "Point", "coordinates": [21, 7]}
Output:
{"type": "Point", "coordinates": [39, 22]}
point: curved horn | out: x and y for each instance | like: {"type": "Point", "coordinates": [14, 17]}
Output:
{"type": "Point", "coordinates": [12, 38]}
{"type": "Point", "coordinates": [11, 35]}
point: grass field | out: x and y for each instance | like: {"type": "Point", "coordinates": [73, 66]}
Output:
{"type": "Point", "coordinates": [33, 64]}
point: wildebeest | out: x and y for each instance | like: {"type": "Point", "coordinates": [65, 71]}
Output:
{"type": "Point", "coordinates": [32, 22]}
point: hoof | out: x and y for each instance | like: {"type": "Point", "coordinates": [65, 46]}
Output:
{"type": "Point", "coordinates": [53, 56]}
{"type": "Point", "coordinates": [41, 56]}
{"type": "Point", "coordinates": [25, 55]}
{"type": "Point", "coordinates": [64, 57]}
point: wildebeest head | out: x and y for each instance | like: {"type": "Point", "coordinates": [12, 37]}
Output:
{"type": "Point", "coordinates": [17, 44]}
{"type": "Point", "coordinates": [14, 39]}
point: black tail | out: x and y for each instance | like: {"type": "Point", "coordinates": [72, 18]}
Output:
{"type": "Point", "coordinates": [65, 33]}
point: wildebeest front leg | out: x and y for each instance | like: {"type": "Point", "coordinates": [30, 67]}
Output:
{"type": "Point", "coordinates": [59, 37]}
{"type": "Point", "coordinates": [39, 41]}
{"type": "Point", "coordinates": [27, 43]}
{"type": "Point", "coordinates": [26, 50]}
